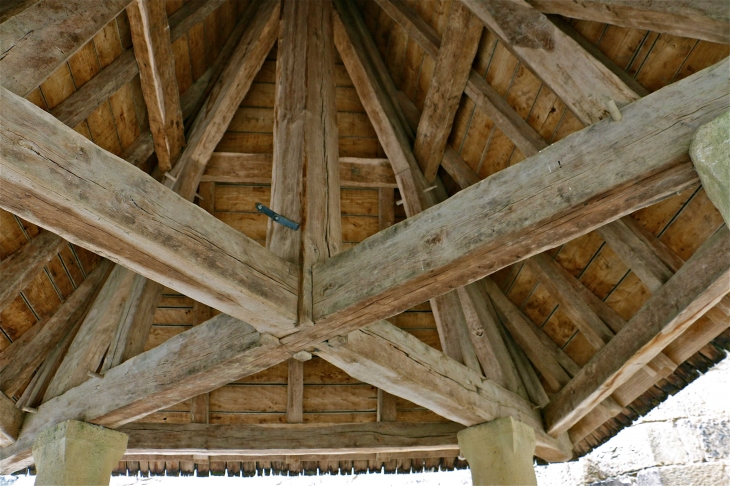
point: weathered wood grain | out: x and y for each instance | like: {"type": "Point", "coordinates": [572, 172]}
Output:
{"type": "Point", "coordinates": [20, 268]}
{"type": "Point", "coordinates": [384, 115]}
{"type": "Point", "coordinates": [567, 189]}
{"type": "Point", "coordinates": [35, 42]}
{"type": "Point", "coordinates": [634, 250]}
{"type": "Point", "coordinates": [456, 54]}
{"type": "Point", "coordinates": [199, 360]}
{"type": "Point", "coordinates": [19, 360]}
{"type": "Point", "coordinates": [401, 364]}
{"type": "Point", "coordinates": [257, 169]}
{"type": "Point", "coordinates": [291, 440]}
{"type": "Point", "coordinates": [696, 287]}
{"type": "Point", "coordinates": [583, 83]}
{"type": "Point", "coordinates": [237, 73]}
{"type": "Point", "coordinates": [153, 49]}
{"type": "Point", "coordinates": [11, 420]}
{"type": "Point", "coordinates": [703, 19]}
{"type": "Point", "coordinates": [116, 210]}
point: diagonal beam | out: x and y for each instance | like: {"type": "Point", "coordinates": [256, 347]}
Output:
{"type": "Point", "coordinates": [36, 41]}
{"type": "Point", "coordinates": [697, 286]}
{"type": "Point", "coordinates": [204, 358]}
{"type": "Point", "coordinates": [17, 271]}
{"type": "Point", "coordinates": [19, 360]}
{"type": "Point", "coordinates": [526, 209]}
{"type": "Point", "coordinates": [387, 357]}
{"type": "Point", "coordinates": [456, 54]}
{"type": "Point", "coordinates": [579, 80]}
{"type": "Point", "coordinates": [698, 19]}
{"type": "Point", "coordinates": [153, 49]}
{"type": "Point", "coordinates": [116, 210]}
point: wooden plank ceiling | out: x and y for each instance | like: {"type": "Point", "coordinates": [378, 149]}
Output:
{"type": "Point", "coordinates": [503, 111]}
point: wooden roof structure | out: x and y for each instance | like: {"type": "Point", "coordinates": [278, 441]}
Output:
{"type": "Point", "coordinates": [497, 217]}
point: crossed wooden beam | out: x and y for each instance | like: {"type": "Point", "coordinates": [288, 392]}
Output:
{"type": "Point", "coordinates": [277, 303]}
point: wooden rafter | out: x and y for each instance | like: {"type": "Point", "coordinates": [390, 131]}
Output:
{"type": "Point", "coordinates": [153, 50]}
{"type": "Point", "coordinates": [696, 287]}
{"type": "Point", "coordinates": [202, 359]}
{"type": "Point", "coordinates": [580, 81]}
{"type": "Point", "coordinates": [29, 162]}
{"type": "Point", "coordinates": [456, 54]}
{"type": "Point", "coordinates": [399, 363]}
{"type": "Point", "coordinates": [698, 19]}
{"type": "Point", "coordinates": [17, 271]}
{"type": "Point", "coordinates": [466, 242]}
{"type": "Point", "coordinates": [34, 42]}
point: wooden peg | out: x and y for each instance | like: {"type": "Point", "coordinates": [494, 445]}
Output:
{"type": "Point", "coordinates": [614, 111]}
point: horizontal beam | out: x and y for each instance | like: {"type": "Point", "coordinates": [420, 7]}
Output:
{"type": "Point", "coordinates": [265, 440]}
{"type": "Point", "coordinates": [564, 191]}
{"type": "Point", "coordinates": [114, 209]}
{"type": "Point", "coordinates": [256, 169]}
{"type": "Point", "coordinates": [395, 361]}
{"type": "Point", "coordinates": [698, 19]}
{"type": "Point", "coordinates": [204, 358]}
{"type": "Point", "coordinates": [696, 287]}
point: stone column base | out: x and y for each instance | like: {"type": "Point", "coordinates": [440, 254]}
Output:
{"type": "Point", "coordinates": [500, 452]}
{"type": "Point", "coordinates": [77, 453]}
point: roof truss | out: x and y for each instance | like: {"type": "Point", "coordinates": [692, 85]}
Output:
{"type": "Point", "coordinates": [261, 282]}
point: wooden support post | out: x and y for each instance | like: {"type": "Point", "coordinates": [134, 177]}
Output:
{"type": "Point", "coordinates": [499, 452]}
{"type": "Point", "coordinates": [73, 453]}
{"type": "Point", "coordinates": [153, 50]}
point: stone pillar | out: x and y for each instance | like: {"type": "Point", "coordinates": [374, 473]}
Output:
{"type": "Point", "coordinates": [499, 452]}
{"type": "Point", "coordinates": [710, 152]}
{"type": "Point", "coordinates": [77, 453]}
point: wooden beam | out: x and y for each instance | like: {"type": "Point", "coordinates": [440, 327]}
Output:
{"type": "Point", "coordinates": [401, 364]}
{"type": "Point", "coordinates": [11, 420]}
{"type": "Point", "coordinates": [697, 19]}
{"type": "Point", "coordinates": [588, 188]}
{"type": "Point", "coordinates": [206, 357]}
{"type": "Point", "coordinates": [263, 440]}
{"type": "Point", "coordinates": [456, 55]}
{"type": "Point", "coordinates": [376, 99]}
{"type": "Point", "coordinates": [371, 77]}
{"type": "Point", "coordinates": [579, 80]}
{"type": "Point", "coordinates": [241, 66]}
{"type": "Point", "coordinates": [20, 268]}
{"type": "Point", "coordinates": [696, 287]}
{"type": "Point", "coordinates": [200, 404]}
{"type": "Point", "coordinates": [19, 360]}
{"type": "Point", "coordinates": [92, 340]}
{"type": "Point", "coordinates": [571, 302]}
{"type": "Point", "coordinates": [82, 102]}
{"type": "Point", "coordinates": [153, 50]}
{"type": "Point", "coordinates": [634, 249]}
{"type": "Point", "coordinates": [114, 209]}
{"type": "Point", "coordinates": [36, 41]}
{"type": "Point", "coordinates": [484, 96]}
{"type": "Point", "coordinates": [257, 169]}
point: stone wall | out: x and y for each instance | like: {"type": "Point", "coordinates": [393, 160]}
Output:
{"type": "Point", "coordinates": [684, 441]}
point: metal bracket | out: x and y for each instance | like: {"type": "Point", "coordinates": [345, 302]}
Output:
{"type": "Point", "coordinates": [277, 217]}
